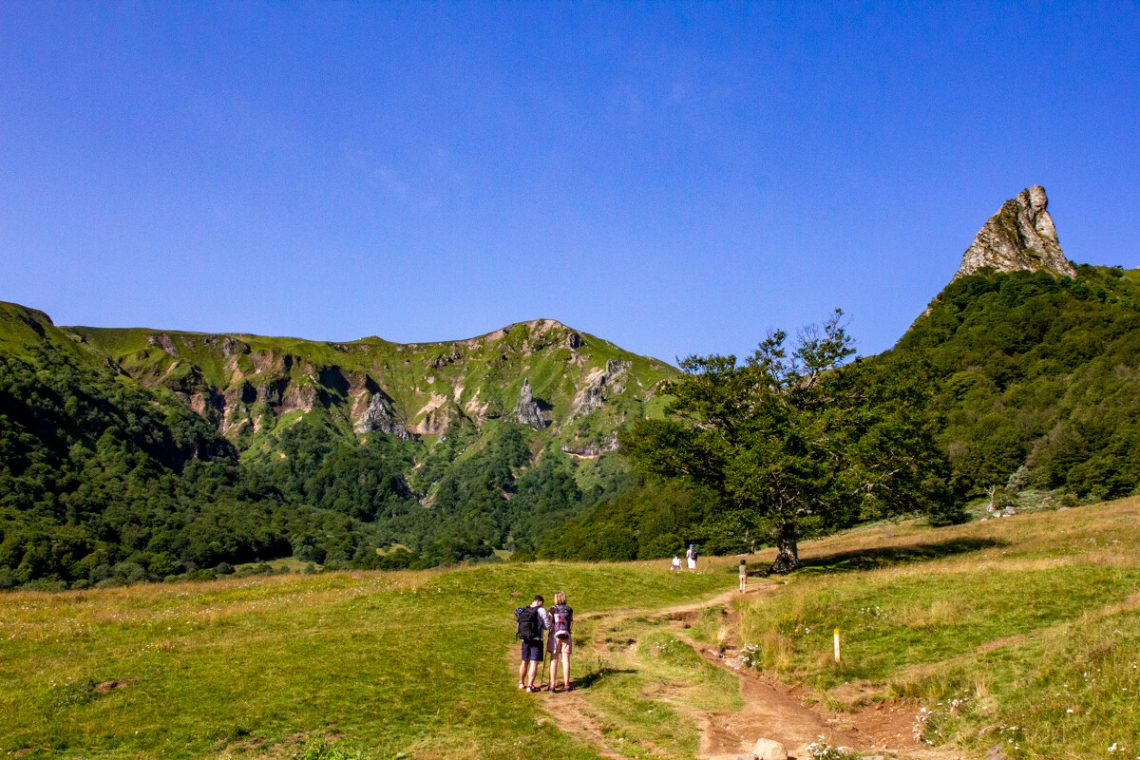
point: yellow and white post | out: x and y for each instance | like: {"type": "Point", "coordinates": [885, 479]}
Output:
{"type": "Point", "coordinates": [837, 645]}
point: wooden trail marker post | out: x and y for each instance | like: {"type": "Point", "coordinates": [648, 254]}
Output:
{"type": "Point", "coordinates": [837, 645]}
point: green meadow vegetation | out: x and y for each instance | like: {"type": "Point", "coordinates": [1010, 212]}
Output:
{"type": "Point", "coordinates": [1021, 631]}
{"type": "Point", "coordinates": [371, 664]}
{"type": "Point", "coordinates": [1016, 393]}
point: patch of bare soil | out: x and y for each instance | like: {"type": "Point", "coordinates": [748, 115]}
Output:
{"type": "Point", "coordinates": [793, 716]}
{"type": "Point", "coordinates": [772, 710]}
{"type": "Point", "coordinates": [108, 686]}
{"type": "Point", "coordinates": [574, 715]}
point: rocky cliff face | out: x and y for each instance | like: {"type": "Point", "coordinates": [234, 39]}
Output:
{"type": "Point", "coordinates": [600, 386]}
{"type": "Point", "coordinates": [1019, 237]}
{"type": "Point", "coordinates": [566, 386]}
{"type": "Point", "coordinates": [378, 415]}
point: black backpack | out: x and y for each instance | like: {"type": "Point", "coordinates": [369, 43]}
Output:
{"type": "Point", "coordinates": [530, 624]}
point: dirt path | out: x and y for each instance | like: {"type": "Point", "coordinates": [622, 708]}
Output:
{"type": "Point", "coordinates": [771, 709]}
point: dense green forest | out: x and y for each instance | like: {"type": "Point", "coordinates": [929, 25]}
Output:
{"type": "Point", "coordinates": [1038, 379]}
{"type": "Point", "coordinates": [1026, 382]}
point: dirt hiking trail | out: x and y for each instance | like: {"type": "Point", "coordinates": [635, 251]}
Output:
{"type": "Point", "coordinates": [772, 709]}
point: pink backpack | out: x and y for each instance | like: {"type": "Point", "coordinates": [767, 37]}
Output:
{"type": "Point", "coordinates": [563, 618]}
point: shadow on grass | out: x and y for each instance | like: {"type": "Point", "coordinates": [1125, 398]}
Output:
{"type": "Point", "coordinates": [887, 556]}
{"type": "Point", "coordinates": [588, 680]}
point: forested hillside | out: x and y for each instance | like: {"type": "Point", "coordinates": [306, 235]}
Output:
{"type": "Point", "coordinates": [133, 454]}
{"type": "Point", "coordinates": [1038, 379]}
{"type": "Point", "coordinates": [1032, 388]}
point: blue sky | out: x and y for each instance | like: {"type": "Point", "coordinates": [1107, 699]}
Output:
{"type": "Point", "coordinates": [676, 178]}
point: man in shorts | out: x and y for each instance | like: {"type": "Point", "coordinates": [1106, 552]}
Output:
{"type": "Point", "coordinates": [532, 647]}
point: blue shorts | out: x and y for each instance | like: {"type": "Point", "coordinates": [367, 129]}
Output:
{"type": "Point", "coordinates": [532, 650]}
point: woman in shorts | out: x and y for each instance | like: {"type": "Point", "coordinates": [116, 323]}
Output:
{"type": "Point", "coordinates": [559, 643]}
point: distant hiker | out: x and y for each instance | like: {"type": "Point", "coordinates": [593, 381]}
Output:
{"type": "Point", "coordinates": [532, 621]}
{"type": "Point", "coordinates": [743, 576]}
{"type": "Point", "coordinates": [561, 621]}
{"type": "Point", "coordinates": [691, 556]}
{"type": "Point", "coordinates": [676, 563]}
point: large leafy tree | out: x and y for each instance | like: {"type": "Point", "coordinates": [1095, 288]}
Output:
{"type": "Point", "coordinates": [795, 436]}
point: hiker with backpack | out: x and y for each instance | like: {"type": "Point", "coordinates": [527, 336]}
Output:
{"type": "Point", "coordinates": [532, 621]}
{"type": "Point", "coordinates": [561, 621]}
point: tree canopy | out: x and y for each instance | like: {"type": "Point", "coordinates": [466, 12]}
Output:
{"type": "Point", "coordinates": [796, 437]}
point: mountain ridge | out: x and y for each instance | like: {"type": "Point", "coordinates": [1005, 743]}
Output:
{"type": "Point", "coordinates": [235, 378]}
{"type": "Point", "coordinates": [141, 453]}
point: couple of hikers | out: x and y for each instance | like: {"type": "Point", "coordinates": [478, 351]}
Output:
{"type": "Point", "coordinates": [533, 622]}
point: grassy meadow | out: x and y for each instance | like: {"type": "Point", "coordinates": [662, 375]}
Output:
{"type": "Point", "coordinates": [371, 664]}
{"type": "Point", "coordinates": [1021, 631]}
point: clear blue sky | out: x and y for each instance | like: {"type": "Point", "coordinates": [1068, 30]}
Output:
{"type": "Point", "coordinates": [675, 178]}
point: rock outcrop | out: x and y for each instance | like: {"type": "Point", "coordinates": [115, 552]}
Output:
{"type": "Point", "coordinates": [380, 416]}
{"type": "Point", "coordinates": [1019, 237]}
{"type": "Point", "coordinates": [591, 450]}
{"type": "Point", "coordinates": [527, 410]}
{"type": "Point", "coordinates": [600, 386]}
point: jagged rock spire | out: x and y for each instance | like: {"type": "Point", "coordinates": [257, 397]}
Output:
{"type": "Point", "coordinates": [527, 410]}
{"type": "Point", "coordinates": [1019, 237]}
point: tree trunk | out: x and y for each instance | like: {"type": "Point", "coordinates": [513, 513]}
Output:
{"type": "Point", "coordinates": [787, 550]}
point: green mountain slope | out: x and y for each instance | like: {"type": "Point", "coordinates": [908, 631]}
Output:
{"type": "Point", "coordinates": [1036, 362]}
{"type": "Point", "coordinates": [461, 423]}
{"type": "Point", "coordinates": [1038, 378]}
{"type": "Point", "coordinates": [96, 469]}
{"type": "Point", "coordinates": [167, 453]}
{"type": "Point", "coordinates": [579, 386]}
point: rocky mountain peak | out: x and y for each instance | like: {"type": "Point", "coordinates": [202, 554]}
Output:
{"type": "Point", "coordinates": [1019, 237]}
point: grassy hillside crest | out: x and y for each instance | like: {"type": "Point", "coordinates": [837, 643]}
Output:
{"type": "Point", "coordinates": [1037, 380]}
{"type": "Point", "coordinates": [238, 381]}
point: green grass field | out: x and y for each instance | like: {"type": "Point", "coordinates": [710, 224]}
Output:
{"type": "Point", "coordinates": [1023, 632]}
{"type": "Point", "coordinates": [377, 664]}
